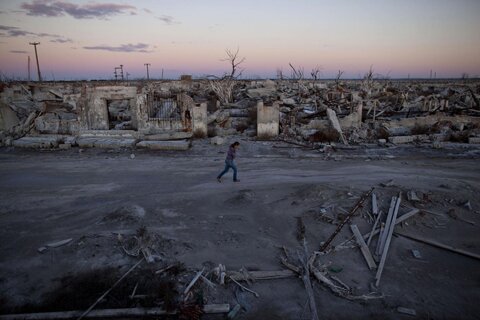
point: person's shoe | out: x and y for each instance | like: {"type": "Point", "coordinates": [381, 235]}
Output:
{"type": "Point", "coordinates": [236, 180]}
{"type": "Point", "coordinates": [219, 180]}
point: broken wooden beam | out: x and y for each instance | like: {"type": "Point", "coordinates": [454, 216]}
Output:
{"type": "Point", "coordinates": [438, 245]}
{"type": "Point", "coordinates": [374, 204]}
{"type": "Point", "coordinates": [387, 241]}
{"type": "Point", "coordinates": [379, 215]}
{"type": "Point", "coordinates": [192, 283]}
{"type": "Point", "coordinates": [363, 247]}
{"type": "Point", "coordinates": [260, 275]}
{"type": "Point", "coordinates": [111, 313]}
{"type": "Point", "coordinates": [388, 224]}
{"type": "Point", "coordinates": [398, 221]}
{"type": "Point", "coordinates": [84, 314]}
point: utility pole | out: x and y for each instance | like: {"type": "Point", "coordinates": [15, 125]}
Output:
{"type": "Point", "coordinates": [146, 65]}
{"type": "Point", "coordinates": [28, 68]}
{"type": "Point", "coordinates": [36, 56]}
{"type": "Point", "coordinates": [162, 73]}
{"type": "Point", "coordinates": [121, 71]}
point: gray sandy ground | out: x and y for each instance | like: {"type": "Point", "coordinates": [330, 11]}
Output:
{"type": "Point", "coordinates": [87, 196]}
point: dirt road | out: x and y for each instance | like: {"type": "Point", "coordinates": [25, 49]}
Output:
{"type": "Point", "coordinates": [93, 196]}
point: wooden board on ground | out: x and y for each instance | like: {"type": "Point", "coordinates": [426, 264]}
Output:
{"type": "Point", "coordinates": [363, 247]}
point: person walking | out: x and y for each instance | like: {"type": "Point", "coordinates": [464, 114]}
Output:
{"type": "Point", "coordinates": [230, 162]}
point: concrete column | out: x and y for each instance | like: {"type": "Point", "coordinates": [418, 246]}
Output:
{"type": "Point", "coordinates": [268, 118]}
{"type": "Point", "coordinates": [199, 118]}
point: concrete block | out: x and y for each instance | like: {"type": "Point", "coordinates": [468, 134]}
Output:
{"type": "Point", "coordinates": [180, 145]}
{"type": "Point", "coordinates": [408, 139]}
{"type": "Point", "coordinates": [70, 140]}
{"type": "Point", "coordinates": [106, 143]}
{"type": "Point", "coordinates": [177, 135]}
{"type": "Point", "coordinates": [474, 140]}
{"type": "Point", "coordinates": [37, 142]}
{"type": "Point", "coordinates": [128, 134]}
{"type": "Point", "coordinates": [217, 141]}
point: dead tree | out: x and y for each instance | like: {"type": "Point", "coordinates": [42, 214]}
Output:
{"type": "Point", "coordinates": [235, 62]}
{"type": "Point", "coordinates": [298, 73]}
{"type": "Point", "coordinates": [316, 72]}
{"type": "Point", "coordinates": [223, 87]}
{"type": "Point", "coordinates": [337, 78]}
{"type": "Point", "coordinates": [279, 74]}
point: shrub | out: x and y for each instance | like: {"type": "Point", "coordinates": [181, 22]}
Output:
{"type": "Point", "coordinates": [325, 135]}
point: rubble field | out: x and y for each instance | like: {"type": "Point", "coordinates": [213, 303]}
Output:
{"type": "Point", "coordinates": [75, 222]}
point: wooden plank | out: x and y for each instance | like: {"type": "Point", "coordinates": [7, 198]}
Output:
{"type": "Point", "coordinates": [108, 291]}
{"type": "Point", "coordinates": [363, 247]}
{"type": "Point", "coordinates": [374, 204]}
{"type": "Point", "coordinates": [110, 313]}
{"type": "Point", "coordinates": [194, 280]}
{"type": "Point", "coordinates": [381, 231]}
{"type": "Point", "coordinates": [439, 245]}
{"type": "Point", "coordinates": [388, 225]}
{"type": "Point", "coordinates": [378, 276]}
{"type": "Point", "coordinates": [399, 220]}
{"type": "Point", "coordinates": [379, 215]}
{"type": "Point", "coordinates": [261, 275]}
{"type": "Point", "coordinates": [406, 216]}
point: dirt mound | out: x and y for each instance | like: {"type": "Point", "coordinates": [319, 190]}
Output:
{"type": "Point", "coordinates": [243, 196]}
{"type": "Point", "coordinates": [125, 214]}
{"type": "Point", "coordinates": [312, 192]}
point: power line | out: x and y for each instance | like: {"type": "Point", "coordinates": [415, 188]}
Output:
{"type": "Point", "coordinates": [34, 44]}
{"type": "Point", "coordinates": [146, 65]}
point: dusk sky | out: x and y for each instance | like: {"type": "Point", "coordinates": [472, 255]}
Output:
{"type": "Point", "coordinates": [87, 39]}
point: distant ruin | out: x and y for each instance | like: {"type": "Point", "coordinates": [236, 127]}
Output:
{"type": "Point", "coordinates": [143, 114]}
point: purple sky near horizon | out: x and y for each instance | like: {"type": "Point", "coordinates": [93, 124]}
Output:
{"type": "Point", "coordinates": [87, 39]}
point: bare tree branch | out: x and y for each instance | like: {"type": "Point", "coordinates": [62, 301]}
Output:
{"type": "Point", "coordinates": [297, 74]}
{"type": "Point", "coordinates": [316, 72]}
{"type": "Point", "coordinates": [235, 61]}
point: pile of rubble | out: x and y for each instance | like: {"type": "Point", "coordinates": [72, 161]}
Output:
{"type": "Point", "coordinates": [110, 114]}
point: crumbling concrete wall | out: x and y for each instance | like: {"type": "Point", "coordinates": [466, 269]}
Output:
{"type": "Point", "coordinates": [93, 105]}
{"type": "Point", "coordinates": [354, 119]}
{"type": "Point", "coordinates": [199, 117]}
{"type": "Point", "coordinates": [268, 119]}
{"type": "Point", "coordinates": [8, 118]}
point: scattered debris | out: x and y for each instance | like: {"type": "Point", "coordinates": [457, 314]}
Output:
{"type": "Point", "coordinates": [412, 196]}
{"type": "Point", "coordinates": [112, 313]}
{"type": "Point", "coordinates": [408, 311]}
{"type": "Point", "coordinates": [438, 245]}
{"type": "Point", "coordinates": [468, 205]}
{"type": "Point", "coordinates": [233, 313]}
{"type": "Point", "coordinates": [416, 254]}
{"type": "Point", "coordinates": [108, 291]}
{"type": "Point", "coordinates": [58, 243]}
{"type": "Point", "coordinates": [347, 218]}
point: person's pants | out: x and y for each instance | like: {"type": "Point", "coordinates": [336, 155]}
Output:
{"type": "Point", "coordinates": [229, 164]}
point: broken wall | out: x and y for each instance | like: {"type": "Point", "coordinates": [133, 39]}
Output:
{"type": "Point", "coordinates": [268, 118]}
{"type": "Point", "coordinates": [93, 106]}
{"type": "Point", "coordinates": [199, 117]}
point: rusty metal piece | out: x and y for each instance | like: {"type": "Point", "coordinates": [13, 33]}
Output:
{"type": "Point", "coordinates": [347, 218]}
